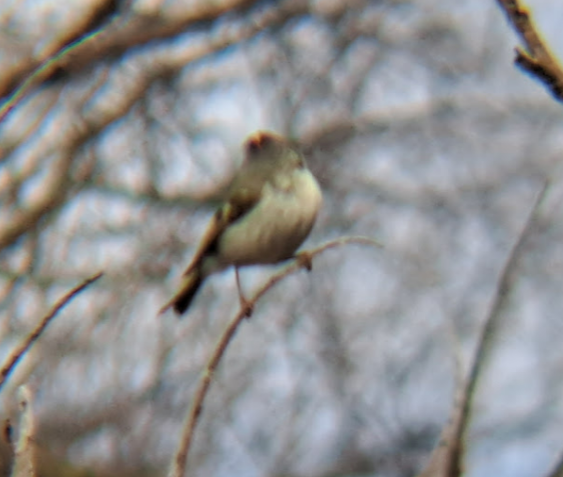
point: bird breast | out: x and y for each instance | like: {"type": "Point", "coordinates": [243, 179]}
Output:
{"type": "Point", "coordinates": [280, 222]}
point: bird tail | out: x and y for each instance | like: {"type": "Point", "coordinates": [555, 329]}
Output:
{"type": "Point", "coordinates": [189, 286]}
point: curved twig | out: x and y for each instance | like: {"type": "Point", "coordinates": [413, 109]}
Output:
{"type": "Point", "coordinates": [25, 345]}
{"type": "Point", "coordinates": [303, 259]}
{"type": "Point", "coordinates": [447, 457]}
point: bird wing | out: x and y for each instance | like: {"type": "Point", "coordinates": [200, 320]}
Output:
{"type": "Point", "coordinates": [240, 202]}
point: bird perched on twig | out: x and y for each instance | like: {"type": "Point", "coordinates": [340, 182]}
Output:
{"type": "Point", "coordinates": [271, 207]}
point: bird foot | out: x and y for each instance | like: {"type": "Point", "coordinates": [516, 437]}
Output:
{"type": "Point", "coordinates": [246, 306]}
{"type": "Point", "coordinates": [305, 260]}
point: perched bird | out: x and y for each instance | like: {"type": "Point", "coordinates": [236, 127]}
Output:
{"type": "Point", "coordinates": [271, 207]}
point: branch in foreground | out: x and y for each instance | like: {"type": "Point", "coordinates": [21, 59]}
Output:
{"type": "Point", "coordinates": [24, 458]}
{"type": "Point", "coordinates": [537, 59]}
{"type": "Point", "coordinates": [303, 259]}
{"type": "Point", "coordinates": [16, 354]}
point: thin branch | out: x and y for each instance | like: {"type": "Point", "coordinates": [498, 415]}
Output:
{"type": "Point", "coordinates": [536, 58]}
{"type": "Point", "coordinates": [303, 260]}
{"type": "Point", "coordinates": [52, 196]}
{"type": "Point", "coordinates": [557, 470]}
{"type": "Point", "coordinates": [26, 344]}
{"type": "Point", "coordinates": [447, 457]}
{"type": "Point", "coordinates": [45, 70]}
{"type": "Point", "coordinates": [24, 458]}
{"type": "Point", "coordinates": [492, 321]}
{"type": "Point", "coordinates": [85, 20]}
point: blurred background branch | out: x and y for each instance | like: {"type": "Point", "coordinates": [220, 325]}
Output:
{"type": "Point", "coordinates": [423, 136]}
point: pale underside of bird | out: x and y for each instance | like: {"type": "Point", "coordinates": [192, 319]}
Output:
{"type": "Point", "coordinates": [271, 208]}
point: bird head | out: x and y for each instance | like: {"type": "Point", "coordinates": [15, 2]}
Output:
{"type": "Point", "coordinates": [268, 146]}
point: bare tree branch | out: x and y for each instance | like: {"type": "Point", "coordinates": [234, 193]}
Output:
{"type": "Point", "coordinates": [303, 259]}
{"type": "Point", "coordinates": [123, 33]}
{"type": "Point", "coordinates": [24, 458]}
{"type": "Point", "coordinates": [558, 468]}
{"type": "Point", "coordinates": [447, 459]}
{"type": "Point", "coordinates": [536, 58]}
{"type": "Point", "coordinates": [44, 71]}
{"type": "Point", "coordinates": [86, 19]}
{"type": "Point", "coordinates": [25, 345]}
{"type": "Point", "coordinates": [53, 195]}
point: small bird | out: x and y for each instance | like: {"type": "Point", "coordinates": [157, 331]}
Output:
{"type": "Point", "coordinates": [271, 207]}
